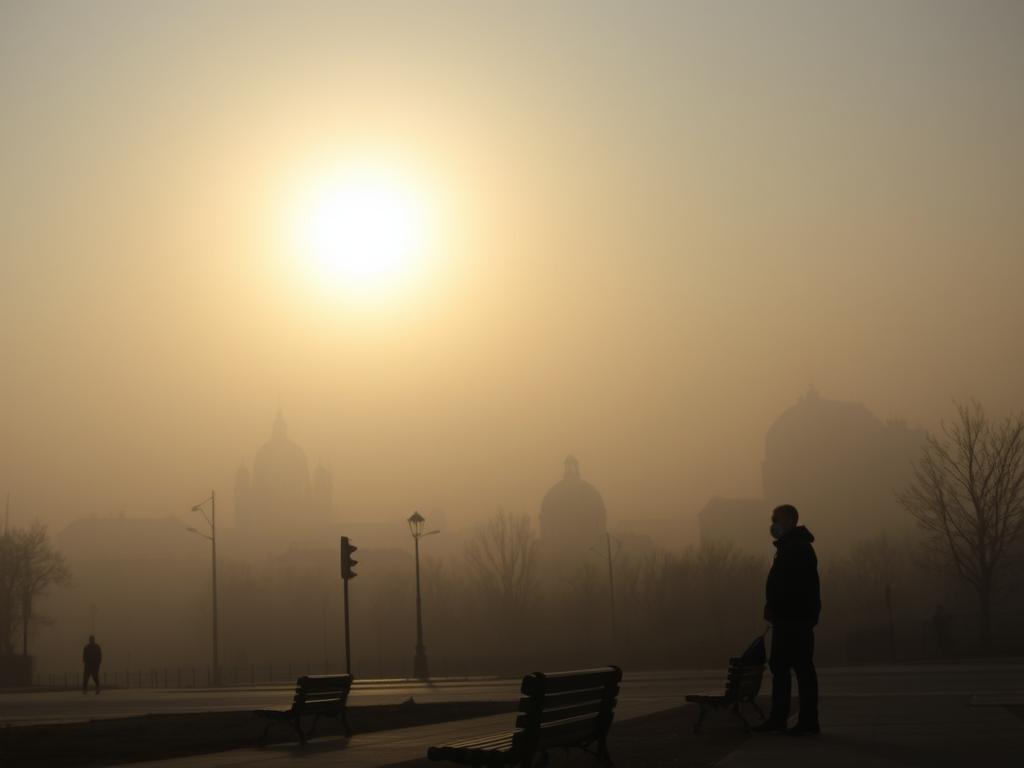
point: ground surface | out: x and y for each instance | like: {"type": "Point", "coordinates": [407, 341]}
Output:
{"type": "Point", "coordinates": [152, 737]}
{"type": "Point", "coordinates": [659, 739]}
{"type": "Point", "coordinates": [927, 715]}
{"type": "Point", "coordinates": [667, 687]}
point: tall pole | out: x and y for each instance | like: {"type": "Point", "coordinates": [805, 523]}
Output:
{"type": "Point", "coordinates": [611, 589]}
{"type": "Point", "coordinates": [348, 643]}
{"type": "Point", "coordinates": [213, 541]}
{"type": "Point", "coordinates": [420, 662]}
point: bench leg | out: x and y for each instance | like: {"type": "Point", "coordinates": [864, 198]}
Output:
{"type": "Point", "coordinates": [760, 713]}
{"type": "Point", "coordinates": [344, 723]}
{"type": "Point", "coordinates": [312, 730]}
{"type": "Point", "coordinates": [297, 725]}
{"type": "Point", "coordinates": [735, 709]}
{"type": "Point", "coordinates": [603, 756]}
{"type": "Point", "coordinates": [263, 736]}
{"type": "Point", "coordinates": [700, 718]}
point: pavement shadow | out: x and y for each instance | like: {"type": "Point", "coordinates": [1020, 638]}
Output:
{"type": "Point", "coordinates": [660, 740]}
{"type": "Point", "coordinates": [315, 746]}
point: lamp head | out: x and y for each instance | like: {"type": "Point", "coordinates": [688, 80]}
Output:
{"type": "Point", "coordinates": [416, 521]}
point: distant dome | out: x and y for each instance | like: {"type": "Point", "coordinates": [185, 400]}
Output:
{"type": "Point", "coordinates": [816, 421]}
{"type": "Point", "coordinates": [280, 470]}
{"type": "Point", "coordinates": [572, 512]}
{"type": "Point", "coordinates": [839, 464]}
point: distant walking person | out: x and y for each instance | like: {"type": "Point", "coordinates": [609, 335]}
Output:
{"type": "Point", "coordinates": [793, 602]}
{"type": "Point", "coordinates": [92, 656]}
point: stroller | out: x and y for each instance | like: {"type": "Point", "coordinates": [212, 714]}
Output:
{"type": "Point", "coordinates": [742, 685]}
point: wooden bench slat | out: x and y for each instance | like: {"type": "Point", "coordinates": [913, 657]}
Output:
{"type": "Point", "coordinates": [489, 738]}
{"type": "Point", "coordinates": [493, 745]}
{"type": "Point", "coordinates": [491, 755]}
{"type": "Point", "coordinates": [562, 733]}
{"type": "Point", "coordinates": [560, 682]}
{"type": "Point", "coordinates": [592, 709]}
{"type": "Point", "coordinates": [528, 704]}
{"type": "Point", "coordinates": [320, 697]}
{"type": "Point", "coordinates": [562, 709]}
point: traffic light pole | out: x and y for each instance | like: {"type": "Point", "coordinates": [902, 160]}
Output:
{"type": "Point", "coordinates": [347, 574]}
{"type": "Point", "coordinates": [348, 644]}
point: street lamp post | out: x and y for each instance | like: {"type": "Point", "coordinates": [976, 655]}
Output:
{"type": "Point", "coordinates": [611, 584]}
{"type": "Point", "coordinates": [419, 663]}
{"type": "Point", "coordinates": [611, 591]}
{"type": "Point", "coordinates": [212, 538]}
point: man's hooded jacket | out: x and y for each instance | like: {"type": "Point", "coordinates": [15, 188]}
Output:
{"type": "Point", "coordinates": [793, 593]}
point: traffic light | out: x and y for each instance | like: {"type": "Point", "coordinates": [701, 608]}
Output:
{"type": "Point", "coordinates": [347, 563]}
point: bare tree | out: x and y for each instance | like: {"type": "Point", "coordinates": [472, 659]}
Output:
{"type": "Point", "coordinates": [503, 557]}
{"type": "Point", "coordinates": [968, 496]}
{"type": "Point", "coordinates": [28, 566]}
{"type": "Point", "coordinates": [9, 567]}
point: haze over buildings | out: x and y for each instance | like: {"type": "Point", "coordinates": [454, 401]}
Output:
{"type": "Point", "coordinates": [341, 261]}
{"type": "Point", "coordinates": [837, 462]}
{"type": "Point", "coordinates": [660, 224]}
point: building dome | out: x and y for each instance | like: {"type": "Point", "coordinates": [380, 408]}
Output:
{"type": "Point", "coordinates": [840, 465]}
{"type": "Point", "coordinates": [818, 422]}
{"type": "Point", "coordinates": [280, 471]}
{"type": "Point", "coordinates": [572, 513]}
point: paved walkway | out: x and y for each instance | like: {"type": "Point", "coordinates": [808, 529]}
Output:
{"type": "Point", "coordinates": [373, 750]}
{"type": "Point", "coordinates": [370, 750]}
{"type": "Point", "coordinates": [897, 732]}
{"type": "Point", "coordinates": [884, 730]}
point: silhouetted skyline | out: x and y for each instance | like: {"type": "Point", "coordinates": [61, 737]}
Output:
{"type": "Point", "coordinates": [657, 226]}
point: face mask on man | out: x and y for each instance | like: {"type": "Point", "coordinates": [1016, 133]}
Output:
{"type": "Point", "coordinates": [777, 530]}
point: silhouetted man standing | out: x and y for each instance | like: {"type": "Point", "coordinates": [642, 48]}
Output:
{"type": "Point", "coordinates": [793, 602]}
{"type": "Point", "coordinates": [92, 655]}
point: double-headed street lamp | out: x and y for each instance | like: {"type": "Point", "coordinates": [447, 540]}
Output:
{"type": "Point", "coordinates": [419, 662]}
{"type": "Point", "coordinates": [212, 538]}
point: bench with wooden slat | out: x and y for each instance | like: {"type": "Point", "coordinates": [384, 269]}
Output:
{"type": "Point", "coordinates": [741, 687]}
{"type": "Point", "coordinates": [557, 710]}
{"type": "Point", "coordinates": [316, 696]}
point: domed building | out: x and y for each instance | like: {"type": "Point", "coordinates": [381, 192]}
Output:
{"type": "Point", "coordinates": [838, 463]}
{"type": "Point", "coordinates": [277, 504]}
{"type": "Point", "coordinates": [573, 517]}
{"type": "Point", "coordinates": [843, 466]}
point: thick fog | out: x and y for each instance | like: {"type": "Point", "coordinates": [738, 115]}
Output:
{"type": "Point", "coordinates": [657, 230]}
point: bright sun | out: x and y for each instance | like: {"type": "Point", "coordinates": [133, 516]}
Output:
{"type": "Point", "coordinates": [364, 231]}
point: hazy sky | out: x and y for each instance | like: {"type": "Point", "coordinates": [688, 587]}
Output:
{"type": "Point", "coordinates": [660, 223]}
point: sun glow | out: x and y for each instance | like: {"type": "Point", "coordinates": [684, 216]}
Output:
{"type": "Point", "coordinates": [363, 231]}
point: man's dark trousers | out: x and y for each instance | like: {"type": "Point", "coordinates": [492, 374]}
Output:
{"type": "Point", "coordinates": [94, 673]}
{"type": "Point", "coordinates": [793, 650]}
